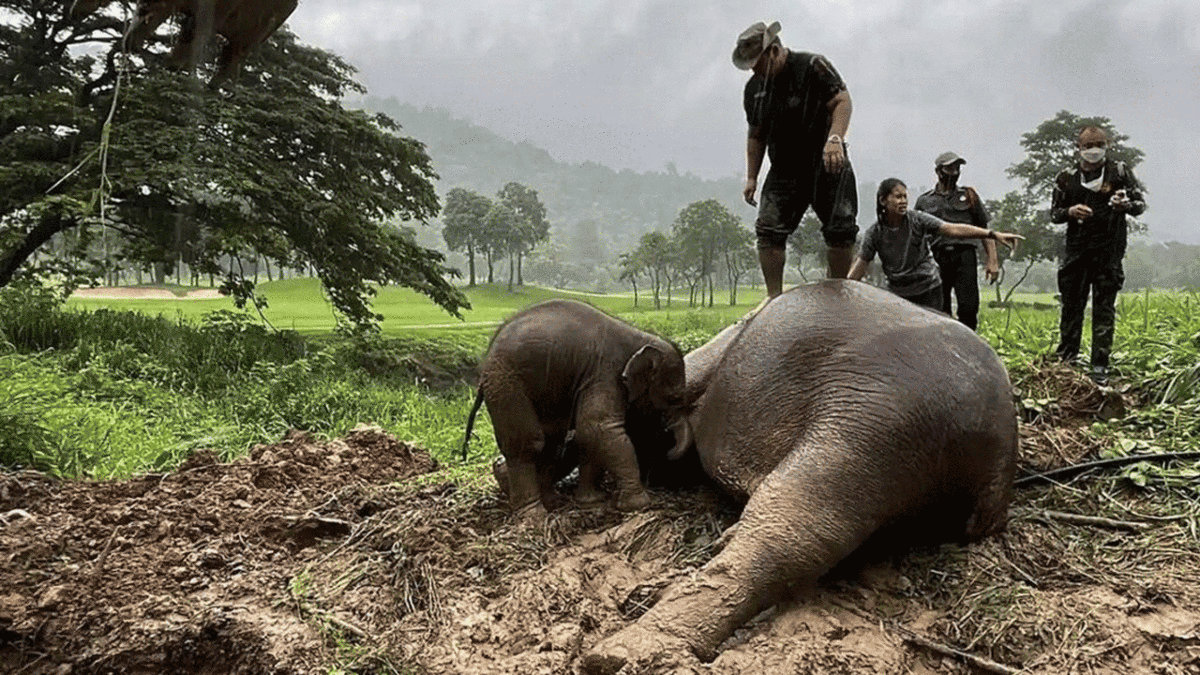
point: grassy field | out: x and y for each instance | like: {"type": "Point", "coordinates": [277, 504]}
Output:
{"type": "Point", "coordinates": [116, 387]}
{"type": "Point", "coordinates": [299, 305]}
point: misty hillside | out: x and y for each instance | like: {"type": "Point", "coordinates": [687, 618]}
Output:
{"type": "Point", "coordinates": [586, 198]}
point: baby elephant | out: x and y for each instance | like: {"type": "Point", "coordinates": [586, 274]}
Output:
{"type": "Point", "coordinates": [562, 365]}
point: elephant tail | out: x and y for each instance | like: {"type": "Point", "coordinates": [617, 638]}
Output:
{"type": "Point", "coordinates": [471, 422]}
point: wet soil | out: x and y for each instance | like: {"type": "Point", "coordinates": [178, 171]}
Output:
{"type": "Point", "coordinates": [358, 556]}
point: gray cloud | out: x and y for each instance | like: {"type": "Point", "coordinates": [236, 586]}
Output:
{"type": "Point", "coordinates": [639, 83]}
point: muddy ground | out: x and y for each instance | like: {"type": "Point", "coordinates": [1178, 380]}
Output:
{"type": "Point", "coordinates": [360, 556]}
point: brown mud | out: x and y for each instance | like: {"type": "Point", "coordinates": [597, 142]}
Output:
{"type": "Point", "coordinates": [358, 556]}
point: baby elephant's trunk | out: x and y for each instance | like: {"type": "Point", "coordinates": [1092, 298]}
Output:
{"type": "Point", "coordinates": [683, 437]}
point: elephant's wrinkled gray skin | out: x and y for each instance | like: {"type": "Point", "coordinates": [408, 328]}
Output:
{"type": "Point", "coordinates": [842, 413]}
{"type": "Point", "coordinates": [563, 365]}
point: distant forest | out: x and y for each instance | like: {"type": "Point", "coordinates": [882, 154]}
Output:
{"type": "Point", "coordinates": [595, 213]}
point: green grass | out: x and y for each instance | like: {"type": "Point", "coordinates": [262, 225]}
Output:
{"type": "Point", "coordinates": [300, 305]}
{"type": "Point", "coordinates": [92, 390]}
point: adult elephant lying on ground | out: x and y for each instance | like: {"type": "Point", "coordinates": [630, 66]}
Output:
{"type": "Point", "coordinates": [842, 413]}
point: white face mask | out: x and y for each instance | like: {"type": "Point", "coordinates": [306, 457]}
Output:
{"type": "Point", "coordinates": [1092, 155]}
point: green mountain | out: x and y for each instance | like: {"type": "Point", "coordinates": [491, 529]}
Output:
{"type": "Point", "coordinates": [582, 200]}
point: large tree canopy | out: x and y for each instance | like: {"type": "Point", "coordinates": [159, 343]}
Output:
{"type": "Point", "coordinates": [172, 172]}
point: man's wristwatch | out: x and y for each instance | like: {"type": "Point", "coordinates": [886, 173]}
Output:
{"type": "Point", "coordinates": [833, 138]}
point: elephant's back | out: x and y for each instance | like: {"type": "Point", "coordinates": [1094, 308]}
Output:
{"type": "Point", "coordinates": [552, 349]}
{"type": "Point", "coordinates": [852, 363]}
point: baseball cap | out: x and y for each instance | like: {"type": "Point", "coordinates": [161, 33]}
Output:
{"type": "Point", "coordinates": [947, 158]}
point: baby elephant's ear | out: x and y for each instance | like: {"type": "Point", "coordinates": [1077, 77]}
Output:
{"type": "Point", "coordinates": [639, 371]}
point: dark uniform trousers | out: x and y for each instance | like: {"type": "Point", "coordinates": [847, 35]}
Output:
{"type": "Point", "coordinates": [1098, 271]}
{"type": "Point", "coordinates": [959, 266]}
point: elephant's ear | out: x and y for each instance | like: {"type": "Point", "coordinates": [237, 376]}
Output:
{"type": "Point", "coordinates": [639, 371]}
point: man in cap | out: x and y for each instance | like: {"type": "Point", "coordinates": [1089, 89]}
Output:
{"type": "Point", "coordinates": [956, 258]}
{"type": "Point", "coordinates": [798, 111]}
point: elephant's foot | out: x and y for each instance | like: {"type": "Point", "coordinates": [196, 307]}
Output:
{"type": "Point", "coordinates": [648, 650]}
{"type": "Point", "coordinates": [589, 495]}
{"type": "Point", "coordinates": [633, 501]}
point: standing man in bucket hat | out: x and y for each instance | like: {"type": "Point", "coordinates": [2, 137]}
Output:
{"type": "Point", "coordinates": [798, 112]}
{"type": "Point", "coordinates": [958, 258]}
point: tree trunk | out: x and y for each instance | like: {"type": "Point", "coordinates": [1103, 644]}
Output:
{"type": "Point", "coordinates": [511, 270]}
{"type": "Point", "coordinates": [43, 232]}
{"type": "Point", "coordinates": [471, 263]}
{"type": "Point", "coordinates": [1013, 289]}
{"type": "Point", "coordinates": [520, 279]}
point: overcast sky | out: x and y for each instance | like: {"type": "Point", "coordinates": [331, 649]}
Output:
{"type": "Point", "coordinates": [639, 83]}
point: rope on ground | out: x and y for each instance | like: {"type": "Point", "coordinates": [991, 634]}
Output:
{"type": "Point", "coordinates": [1076, 469]}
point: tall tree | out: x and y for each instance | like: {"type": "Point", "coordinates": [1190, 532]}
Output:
{"type": "Point", "coordinates": [1016, 212]}
{"type": "Point", "coordinates": [655, 252]}
{"type": "Point", "coordinates": [464, 220]}
{"type": "Point", "coordinates": [735, 246]}
{"type": "Point", "coordinates": [532, 226]}
{"type": "Point", "coordinates": [632, 267]}
{"type": "Point", "coordinates": [698, 229]}
{"type": "Point", "coordinates": [499, 229]}
{"type": "Point", "coordinates": [169, 171]}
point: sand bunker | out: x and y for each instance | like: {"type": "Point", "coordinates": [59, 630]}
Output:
{"type": "Point", "coordinates": [143, 293]}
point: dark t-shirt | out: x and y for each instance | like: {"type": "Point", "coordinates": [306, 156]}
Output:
{"type": "Point", "coordinates": [904, 252]}
{"type": "Point", "coordinates": [792, 111]}
{"type": "Point", "coordinates": [1105, 229]}
{"type": "Point", "coordinates": [956, 206]}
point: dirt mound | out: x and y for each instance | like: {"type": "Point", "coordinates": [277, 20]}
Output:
{"type": "Point", "coordinates": [182, 572]}
{"type": "Point", "coordinates": [348, 556]}
{"type": "Point", "coordinates": [1058, 404]}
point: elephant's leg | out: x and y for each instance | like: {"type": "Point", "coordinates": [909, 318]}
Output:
{"type": "Point", "coordinates": [551, 468]}
{"type": "Point", "coordinates": [588, 491]}
{"type": "Point", "coordinates": [600, 432]}
{"type": "Point", "coordinates": [796, 526]}
{"type": "Point", "coordinates": [520, 439]}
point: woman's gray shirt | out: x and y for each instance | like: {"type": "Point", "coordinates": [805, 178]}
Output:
{"type": "Point", "coordinates": [904, 252]}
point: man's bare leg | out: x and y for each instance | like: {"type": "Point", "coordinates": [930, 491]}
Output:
{"type": "Point", "coordinates": [839, 259]}
{"type": "Point", "coordinates": [772, 261]}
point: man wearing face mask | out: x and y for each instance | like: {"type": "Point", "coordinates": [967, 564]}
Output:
{"type": "Point", "coordinates": [957, 258]}
{"type": "Point", "coordinates": [1093, 198]}
{"type": "Point", "coordinates": [798, 112]}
